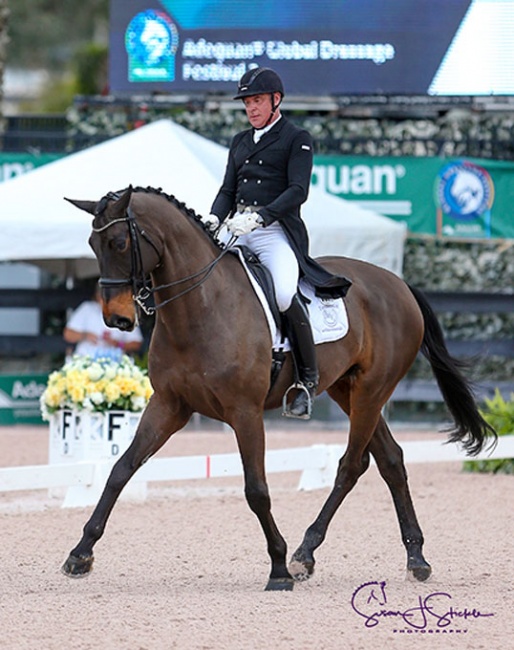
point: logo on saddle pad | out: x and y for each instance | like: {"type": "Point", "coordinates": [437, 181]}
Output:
{"type": "Point", "coordinates": [329, 310]}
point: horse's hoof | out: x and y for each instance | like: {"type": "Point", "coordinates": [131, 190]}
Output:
{"type": "Point", "coordinates": [301, 569]}
{"type": "Point", "coordinates": [419, 573]}
{"type": "Point", "coordinates": [77, 567]}
{"type": "Point", "coordinates": [280, 584]}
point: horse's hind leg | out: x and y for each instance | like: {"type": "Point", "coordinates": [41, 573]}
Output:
{"type": "Point", "coordinates": [153, 431]}
{"type": "Point", "coordinates": [389, 458]}
{"type": "Point", "coordinates": [352, 465]}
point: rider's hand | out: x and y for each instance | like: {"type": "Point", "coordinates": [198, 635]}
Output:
{"type": "Point", "coordinates": [211, 222]}
{"type": "Point", "coordinates": [242, 223]}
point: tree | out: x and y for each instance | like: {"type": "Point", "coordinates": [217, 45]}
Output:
{"type": "Point", "coordinates": [65, 37]}
{"type": "Point", "coordinates": [46, 33]}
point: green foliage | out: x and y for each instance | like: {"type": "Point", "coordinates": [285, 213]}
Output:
{"type": "Point", "coordinates": [46, 33]}
{"type": "Point", "coordinates": [500, 415]}
{"type": "Point", "coordinates": [90, 65]}
{"type": "Point", "coordinates": [66, 38]}
{"type": "Point", "coordinates": [57, 96]}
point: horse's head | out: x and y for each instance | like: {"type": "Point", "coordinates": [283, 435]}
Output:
{"type": "Point", "coordinates": [125, 253]}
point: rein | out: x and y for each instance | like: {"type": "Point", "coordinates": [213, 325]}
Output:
{"type": "Point", "coordinates": [141, 289]}
{"type": "Point", "coordinates": [143, 295]}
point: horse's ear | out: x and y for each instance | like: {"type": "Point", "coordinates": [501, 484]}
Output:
{"type": "Point", "coordinates": [88, 206]}
{"type": "Point", "coordinates": [122, 203]}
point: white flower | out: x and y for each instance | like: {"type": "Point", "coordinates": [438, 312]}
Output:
{"type": "Point", "coordinates": [87, 404]}
{"type": "Point", "coordinates": [138, 402]}
{"type": "Point", "coordinates": [110, 372]}
{"type": "Point", "coordinates": [95, 371]}
{"type": "Point", "coordinates": [97, 397]}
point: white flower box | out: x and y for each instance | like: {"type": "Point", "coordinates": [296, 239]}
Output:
{"type": "Point", "coordinates": [101, 438]}
{"type": "Point", "coordinates": [89, 436]}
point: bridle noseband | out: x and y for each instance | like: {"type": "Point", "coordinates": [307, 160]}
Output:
{"type": "Point", "coordinates": [140, 282]}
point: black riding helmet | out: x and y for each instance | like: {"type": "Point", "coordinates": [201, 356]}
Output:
{"type": "Point", "coordinates": [259, 81]}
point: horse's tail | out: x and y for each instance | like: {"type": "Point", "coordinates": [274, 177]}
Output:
{"type": "Point", "coordinates": [470, 429]}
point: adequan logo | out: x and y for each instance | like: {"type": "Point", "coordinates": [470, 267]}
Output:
{"type": "Point", "coordinates": [464, 193]}
{"type": "Point", "coordinates": [465, 190]}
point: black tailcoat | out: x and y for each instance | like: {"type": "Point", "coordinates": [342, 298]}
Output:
{"type": "Point", "coordinates": [273, 176]}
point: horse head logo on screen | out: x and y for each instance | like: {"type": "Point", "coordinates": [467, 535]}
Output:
{"type": "Point", "coordinates": [151, 41]}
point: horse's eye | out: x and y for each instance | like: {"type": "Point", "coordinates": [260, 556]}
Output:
{"type": "Point", "coordinates": [118, 244]}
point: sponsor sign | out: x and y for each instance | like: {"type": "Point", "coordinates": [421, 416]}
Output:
{"type": "Point", "coordinates": [454, 198]}
{"type": "Point", "coordinates": [19, 398]}
{"type": "Point", "coordinates": [328, 47]}
{"type": "Point", "coordinates": [16, 164]}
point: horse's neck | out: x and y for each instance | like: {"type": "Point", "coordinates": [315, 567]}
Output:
{"type": "Point", "coordinates": [187, 249]}
{"type": "Point", "coordinates": [188, 256]}
{"type": "Point", "coordinates": [200, 307]}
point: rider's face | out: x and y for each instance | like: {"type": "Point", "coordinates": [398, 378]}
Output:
{"type": "Point", "coordinates": [258, 109]}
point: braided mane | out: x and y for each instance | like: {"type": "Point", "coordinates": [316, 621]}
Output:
{"type": "Point", "coordinates": [180, 205]}
{"type": "Point", "coordinates": [158, 191]}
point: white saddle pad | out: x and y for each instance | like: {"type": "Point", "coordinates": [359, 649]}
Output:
{"type": "Point", "coordinates": [329, 319]}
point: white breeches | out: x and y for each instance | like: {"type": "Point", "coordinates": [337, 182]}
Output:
{"type": "Point", "coordinates": [271, 246]}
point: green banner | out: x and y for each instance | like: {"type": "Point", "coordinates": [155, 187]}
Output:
{"type": "Point", "coordinates": [19, 398]}
{"type": "Point", "coordinates": [15, 164]}
{"type": "Point", "coordinates": [455, 198]}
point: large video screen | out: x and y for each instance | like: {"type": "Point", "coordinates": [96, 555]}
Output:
{"type": "Point", "coordinates": [319, 47]}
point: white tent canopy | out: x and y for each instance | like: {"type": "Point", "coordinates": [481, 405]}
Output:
{"type": "Point", "coordinates": [38, 226]}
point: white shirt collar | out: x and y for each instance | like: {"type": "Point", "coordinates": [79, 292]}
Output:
{"type": "Point", "coordinates": [258, 133]}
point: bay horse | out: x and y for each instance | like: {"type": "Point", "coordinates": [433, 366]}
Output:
{"type": "Point", "coordinates": [210, 353]}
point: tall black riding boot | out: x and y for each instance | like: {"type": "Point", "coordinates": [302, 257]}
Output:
{"type": "Point", "coordinates": [299, 332]}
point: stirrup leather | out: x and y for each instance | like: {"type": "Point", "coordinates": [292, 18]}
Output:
{"type": "Point", "coordinates": [286, 410]}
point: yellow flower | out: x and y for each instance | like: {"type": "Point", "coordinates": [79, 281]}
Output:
{"type": "Point", "coordinates": [96, 385]}
{"type": "Point", "coordinates": [53, 397]}
{"type": "Point", "coordinates": [77, 393]}
{"type": "Point", "coordinates": [112, 392]}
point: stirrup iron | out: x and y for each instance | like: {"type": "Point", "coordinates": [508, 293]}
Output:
{"type": "Point", "coordinates": [285, 408]}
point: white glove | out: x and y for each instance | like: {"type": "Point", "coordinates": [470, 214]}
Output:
{"type": "Point", "coordinates": [212, 222]}
{"type": "Point", "coordinates": [244, 222]}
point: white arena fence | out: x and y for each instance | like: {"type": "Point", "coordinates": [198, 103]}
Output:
{"type": "Point", "coordinates": [84, 480]}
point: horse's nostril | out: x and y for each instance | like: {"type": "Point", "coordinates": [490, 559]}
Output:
{"type": "Point", "coordinates": [122, 323]}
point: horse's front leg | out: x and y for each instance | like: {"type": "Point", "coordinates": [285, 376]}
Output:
{"type": "Point", "coordinates": [250, 438]}
{"type": "Point", "coordinates": [158, 423]}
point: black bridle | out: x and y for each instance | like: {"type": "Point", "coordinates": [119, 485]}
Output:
{"type": "Point", "coordinates": [140, 282]}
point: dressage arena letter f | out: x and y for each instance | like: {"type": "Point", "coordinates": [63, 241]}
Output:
{"type": "Point", "coordinates": [112, 426]}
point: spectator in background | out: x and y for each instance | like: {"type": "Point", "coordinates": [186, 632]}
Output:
{"type": "Point", "coordinates": [89, 334]}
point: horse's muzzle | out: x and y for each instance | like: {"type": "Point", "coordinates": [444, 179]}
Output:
{"type": "Point", "coordinates": [121, 322]}
{"type": "Point", "coordinates": [119, 311]}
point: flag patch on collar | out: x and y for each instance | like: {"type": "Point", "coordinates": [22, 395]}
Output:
{"type": "Point", "coordinates": [306, 147]}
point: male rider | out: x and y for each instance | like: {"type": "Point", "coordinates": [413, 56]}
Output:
{"type": "Point", "coordinates": [266, 181]}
